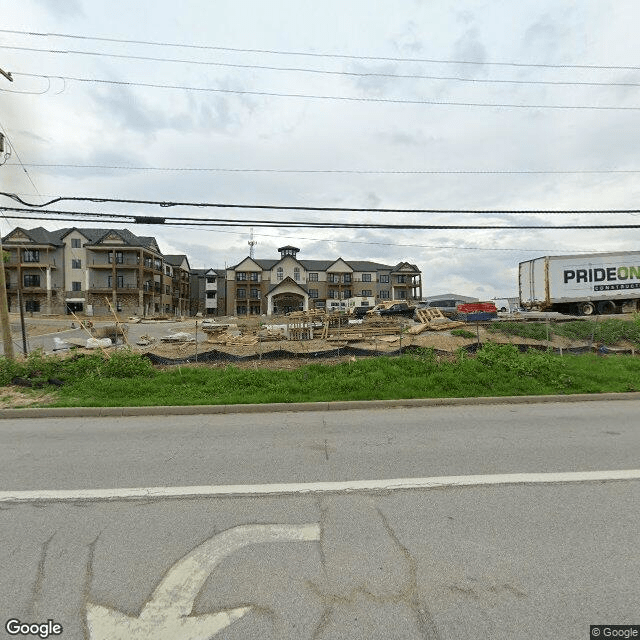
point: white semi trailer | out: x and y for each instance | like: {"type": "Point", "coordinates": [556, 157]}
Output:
{"type": "Point", "coordinates": [583, 284]}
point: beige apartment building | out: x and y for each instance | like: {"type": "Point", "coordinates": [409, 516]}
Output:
{"type": "Point", "coordinates": [88, 271]}
{"type": "Point", "coordinates": [257, 286]}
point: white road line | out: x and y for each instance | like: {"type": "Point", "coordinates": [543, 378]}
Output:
{"type": "Point", "coordinates": [348, 486]}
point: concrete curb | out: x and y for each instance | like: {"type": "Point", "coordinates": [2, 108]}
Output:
{"type": "Point", "coordinates": [100, 412]}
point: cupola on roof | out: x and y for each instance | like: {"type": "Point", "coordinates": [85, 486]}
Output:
{"type": "Point", "coordinates": [288, 250]}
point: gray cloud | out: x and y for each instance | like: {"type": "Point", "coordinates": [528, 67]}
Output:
{"type": "Point", "coordinates": [62, 8]}
{"type": "Point", "coordinates": [470, 47]}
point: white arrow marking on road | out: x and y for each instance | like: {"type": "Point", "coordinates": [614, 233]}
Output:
{"type": "Point", "coordinates": [166, 615]}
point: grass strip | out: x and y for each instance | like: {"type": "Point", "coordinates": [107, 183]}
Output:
{"type": "Point", "coordinates": [497, 370]}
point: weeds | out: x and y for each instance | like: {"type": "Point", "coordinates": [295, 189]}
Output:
{"type": "Point", "coordinates": [41, 369]}
{"type": "Point", "coordinates": [127, 379]}
{"type": "Point", "coordinates": [462, 333]}
{"type": "Point", "coordinates": [608, 331]}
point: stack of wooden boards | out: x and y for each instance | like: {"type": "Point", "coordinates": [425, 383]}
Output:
{"type": "Point", "coordinates": [432, 320]}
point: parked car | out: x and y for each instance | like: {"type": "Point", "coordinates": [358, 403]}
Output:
{"type": "Point", "coordinates": [398, 309]}
{"type": "Point", "coordinates": [359, 312]}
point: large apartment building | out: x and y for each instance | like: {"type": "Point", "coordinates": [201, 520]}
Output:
{"type": "Point", "coordinates": [256, 286]}
{"type": "Point", "coordinates": [92, 271]}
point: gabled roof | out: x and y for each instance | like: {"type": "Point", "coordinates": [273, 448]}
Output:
{"type": "Point", "coordinates": [402, 265]}
{"type": "Point", "coordinates": [248, 258]}
{"type": "Point", "coordinates": [323, 265]}
{"type": "Point", "coordinates": [287, 280]}
{"type": "Point", "coordinates": [39, 235]}
{"type": "Point", "coordinates": [176, 260]}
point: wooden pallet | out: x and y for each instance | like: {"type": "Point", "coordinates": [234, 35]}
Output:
{"type": "Point", "coordinates": [426, 316]}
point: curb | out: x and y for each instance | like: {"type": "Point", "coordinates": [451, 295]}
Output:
{"type": "Point", "coordinates": [342, 405]}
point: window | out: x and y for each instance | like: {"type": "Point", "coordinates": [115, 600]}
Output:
{"type": "Point", "coordinates": [241, 293]}
{"type": "Point", "coordinates": [167, 289]}
{"type": "Point", "coordinates": [119, 258]}
{"type": "Point", "coordinates": [241, 310]}
{"type": "Point", "coordinates": [333, 278]}
{"type": "Point", "coordinates": [401, 279]}
{"type": "Point", "coordinates": [347, 293]}
{"type": "Point", "coordinates": [254, 310]}
{"type": "Point", "coordinates": [366, 277]}
{"type": "Point", "coordinates": [76, 286]}
{"type": "Point", "coordinates": [384, 295]}
{"type": "Point", "coordinates": [211, 279]}
{"type": "Point", "coordinates": [313, 293]}
{"type": "Point", "coordinates": [157, 265]}
{"type": "Point", "coordinates": [76, 243]}
{"type": "Point", "coordinates": [241, 275]}
{"type": "Point", "coordinates": [31, 255]}
{"type": "Point", "coordinates": [119, 282]}
{"type": "Point", "coordinates": [384, 278]}
{"type": "Point", "coordinates": [366, 292]}
{"type": "Point", "coordinates": [296, 274]}
{"type": "Point", "coordinates": [32, 306]}
{"type": "Point", "coordinates": [279, 273]}
{"type": "Point", "coordinates": [312, 277]}
{"type": "Point", "coordinates": [332, 293]}
{"type": "Point", "coordinates": [255, 293]}
{"type": "Point", "coordinates": [253, 276]}
{"type": "Point", "coordinates": [31, 280]}
{"type": "Point", "coordinates": [347, 277]}
{"type": "Point", "coordinates": [167, 270]}
{"type": "Point", "coordinates": [402, 295]}
{"type": "Point", "coordinates": [211, 295]}
{"type": "Point", "coordinates": [76, 264]}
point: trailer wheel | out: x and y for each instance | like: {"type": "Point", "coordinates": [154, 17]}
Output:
{"type": "Point", "coordinates": [586, 308]}
{"type": "Point", "coordinates": [606, 306]}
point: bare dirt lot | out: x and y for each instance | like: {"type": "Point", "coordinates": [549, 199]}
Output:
{"type": "Point", "coordinates": [259, 336]}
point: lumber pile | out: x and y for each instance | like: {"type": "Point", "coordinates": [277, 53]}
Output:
{"type": "Point", "coordinates": [233, 340]}
{"type": "Point", "coordinates": [432, 320]}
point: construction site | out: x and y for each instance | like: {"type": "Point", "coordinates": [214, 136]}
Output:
{"type": "Point", "coordinates": [285, 342]}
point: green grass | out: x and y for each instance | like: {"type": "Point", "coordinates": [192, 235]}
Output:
{"type": "Point", "coordinates": [462, 333]}
{"type": "Point", "coordinates": [609, 332]}
{"type": "Point", "coordinates": [497, 370]}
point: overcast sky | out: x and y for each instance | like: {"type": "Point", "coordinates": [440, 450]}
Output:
{"type": "Point", "coordinates": [460, 151]}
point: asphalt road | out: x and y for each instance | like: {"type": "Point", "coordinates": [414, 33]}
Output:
{"type": "Point", "coordinates": [536, 559]}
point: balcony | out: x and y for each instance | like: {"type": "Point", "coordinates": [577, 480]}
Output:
{"type": "Point", "coordinates": [105, 288]}
{"type": "Point", "coordinates": [124, 264]}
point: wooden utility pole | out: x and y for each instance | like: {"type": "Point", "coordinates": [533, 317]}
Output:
{"type": "Point", "coordinates": [4, 306]}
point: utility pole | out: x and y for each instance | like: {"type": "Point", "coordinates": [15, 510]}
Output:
{"type": "Point", "coordinates": [4, 306]}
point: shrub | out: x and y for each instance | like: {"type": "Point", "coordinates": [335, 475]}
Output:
{"type": "Point", "coordinates": [533, 363]}
{"type": "Point", "coordinates": [463, 333]}
{"type": "Point", "coordinates": [532, 330]}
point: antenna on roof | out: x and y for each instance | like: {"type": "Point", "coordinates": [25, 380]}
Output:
{"type": "Point", "coordinates": [252, 243]}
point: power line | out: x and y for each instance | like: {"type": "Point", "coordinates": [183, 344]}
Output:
{"type": "Point", "coordinates": [357, 74]}
{"type": "Point", "coordinates": [329, 171]}
{"type": "Point", "coordinates": [24, 168]}
{"type": "Point", "coordinates": [341, 56]}
{"type": "Point", "coordinates": [226, 205]}
{"type": "Point", "coordinates": [307, 96]}
{"type": "Point", "coordinates": [316, 239]}
{"type": "Point", "coordinates": [290, 224]}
